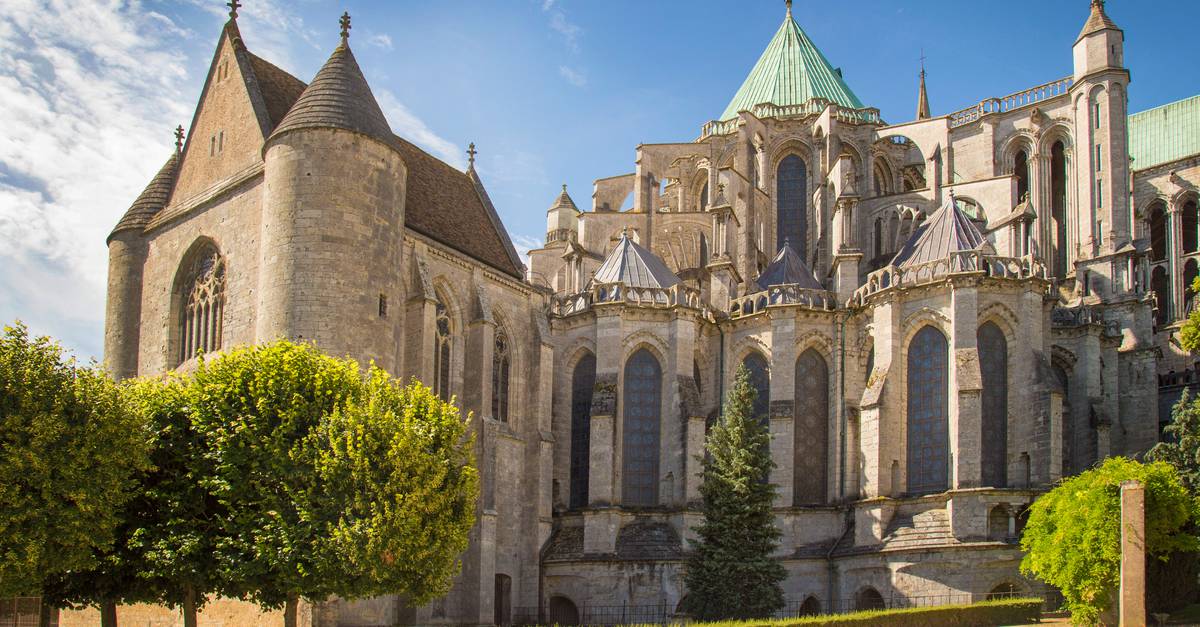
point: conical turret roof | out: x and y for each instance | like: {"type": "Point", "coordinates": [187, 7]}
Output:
{"type": "Point", "coordinates": [564, 201]}
{"type": "Point", "coordinates": [151, 200]}
{"type": "Point", "coordinates": [788, 269]}
{"type": "Point", "coordinates": [948, 230]}
{"type": "Point", "coordinates": [338, 97]}
{"type": "Point", "coordinates": [791, 71]}
{"type": "Point", "coordinates": [1097, 21]}
{"type": "Point", "coordinates": [634, 266]}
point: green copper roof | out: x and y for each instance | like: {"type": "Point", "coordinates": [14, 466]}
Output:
{"type": "Point", "coordinates": [791, 71]}
{"type": "Point", "coordinates": [1165, 134]}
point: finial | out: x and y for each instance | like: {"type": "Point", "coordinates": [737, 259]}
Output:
{"type": "Point", "coordinates": [952, 198]}
{"type": "Point", "coordinates": [179, 139]}
{"type": "Point", "coordinates": [564, 188]}
{"type": "Point", "coordinates": [922, 63]}
{"type": "Point", "coordinates": [471, 152]}
{"type": "Point", "coordinates": [345, 22]}
{"type": "Point", "coordinates": [625, 231]}
{"type": "Point", "coordinates": [233, 5]}
{"type": "Point", "coordinates": [789, 8]}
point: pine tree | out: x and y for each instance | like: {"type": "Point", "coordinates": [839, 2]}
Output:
{"type": "Point", "coordinates": [731, 574]}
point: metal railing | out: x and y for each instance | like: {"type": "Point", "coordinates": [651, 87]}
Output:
{"type": "Point", "coordinates": [25, 612]}
{"type": "Point", "coordinates": [620, 293]}
{"type": "Point", "coordinates": [961, 262]}
{"type": "Point", "coordinates": [1012, 101]}
{"type": "Point", "coordinates": [792, 294]}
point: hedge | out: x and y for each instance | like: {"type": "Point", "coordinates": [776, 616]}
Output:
{"type": "Point", "coordinates": [1000, 612]}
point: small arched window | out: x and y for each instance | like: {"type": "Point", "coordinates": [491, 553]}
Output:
{"type": "Point", "coordinates": [1158, 232]}
{"type": "Point", "coordinates": [1160, 283]}
{"type": "Point", "coordinates": [703, 197]}
{"type": "Point", "coordinates": [760, 380]}
{"type": "Point", "coordinates": [810, 607]}
{"type": "Point", "coordinates": [500, 368]}
{"type": "Point", "coordinates": [928, 413]}
{"type": "Point", "coordinates": [1021, 172]}
{"type": "Point", "coordinates": [202, 303]}
{"type": "Point", "coordinates": [441, 352]}
{"type": "Point", "coordinates": [1190, 222]}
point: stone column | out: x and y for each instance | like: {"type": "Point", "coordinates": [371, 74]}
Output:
{"type": "Point", "coordinates": [1133, 554]}
{"type": "Point", "coordinates": [966, 430]}
{"type": "Point", "coordinates": [783, 387]}
{"type": "Point", "coordinates": [1175, 257]}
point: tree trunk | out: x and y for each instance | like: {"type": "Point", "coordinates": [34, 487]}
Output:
{"type": "Point", "coordinates": [189, 606]}
{"type": "Point", "coordinates": [289, 610]}
{"type": "Point", "coordinates": [108, 614]}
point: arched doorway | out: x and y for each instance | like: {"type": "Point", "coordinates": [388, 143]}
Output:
{"type": "Point", "coordinates": [563, 611]}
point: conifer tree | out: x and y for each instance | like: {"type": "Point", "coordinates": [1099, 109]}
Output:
{"type": "Point", "coordinates": [731, 574]}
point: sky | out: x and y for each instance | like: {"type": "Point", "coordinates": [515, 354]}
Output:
{"type": "Point", "coordinates": [550, 91]}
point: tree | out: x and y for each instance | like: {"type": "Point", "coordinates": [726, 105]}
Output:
{"type": "Point", "coordinates": [1189, 333]}
{"type": "Point", "coordinates": [1072, 539]}
{"type": "Point", "coordinates": [70, 448]}
{"type": "Point", "coordinates": [1183, 453]}
{"type": "Point", "coordinates": [327, 484]}
{"type": "Point", "coordinates": [398, 489]}
{"type": "Point", "coordinates": [731, 573]}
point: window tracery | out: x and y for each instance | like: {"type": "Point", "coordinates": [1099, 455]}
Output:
{"type": "Point", "coordinates": [500, 369]}
{"type": "Point", "coordinates": [200, 321]}
{"type": "Point", "coordinates": [441, 352]}
{"type": "Point", "coordinates": [928, 415]}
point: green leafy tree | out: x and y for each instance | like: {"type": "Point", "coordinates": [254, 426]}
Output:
{"type": "Point", "coordinates": [1072, 539]}
{"type": "Point", "coordinates": [309, 511]}
{"type": "Point", "coordinates": [70, 449]}
{"type": "Point", "coordinates": [1189, 333]}
{"type": "Point", "coordinates": [1183, 453]}
{"type": "Point", "coordinates": [731, 574]}
{"type": "Point", "coordinates": [397, 487]}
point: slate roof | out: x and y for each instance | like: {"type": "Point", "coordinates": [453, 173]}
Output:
{"type": "Point", "coordinates": [791, 71]}
{"type": "Point", "coordinates": [1165, 134]}
{"type": "Point", "coordinates": [338, 97]}
{"type": "Point", "coordinates": [634, 266]}
{"type": "Point", "coordinates": [151, 200]}
{"type": "Point", "coordinates": [1098, 20]}
{"type": "Point", "coordinates": [788, 269]}
{"type": "Point", "coordinates": [947, 231]}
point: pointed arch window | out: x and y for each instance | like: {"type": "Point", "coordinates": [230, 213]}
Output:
{"type": "Point", "coordinates": [811, 432]}
{"type": "Point", "coordinates": [1158, 232]}
{"type": "Point", "coordinates": [583, 381]}
{"type": "Point", "coordinates": [1021, 171]}
{"type": "Point", "coordinates": [703, 197]}
{"type": "Point", "coordinates": [500, 368]}
{"type": "Point", "coordinates": [791, 208]}
{"type": "Point", "coordinates": [1160, 283]}
{"type": "Point", "coordinates": [441, 352]}
{"type": "Point", "coordinates": [928, 413]}
{"type": "Point", "coordinates": [1068, 437]}
{"type": "Point", "coordinates": [1190, 219]}
{"type": "Point", "coordinates": [640, 442]}
{"type": "Point", "coordinates": [760, 380]}
{"type": "Point", "coordinates": [993, 365]}
{"type": "Point", "coordinates": [1058, 206]}
{"type": "Point", "coordinates": [203, 304]}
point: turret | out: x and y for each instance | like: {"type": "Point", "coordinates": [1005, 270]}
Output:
{"type": "Point", "coordinates": [1101, 45]}
{"type": "Point", "coordinates": [333, 219]}
{"type": "Point", "coordinates": [562, 219]}
{"type": "Point", "coordinates": [127, 251]}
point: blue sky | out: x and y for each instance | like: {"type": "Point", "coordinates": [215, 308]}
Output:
{"type": "Point", "coordinates": [551, 91]}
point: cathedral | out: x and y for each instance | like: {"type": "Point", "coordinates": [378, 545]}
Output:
{"type": "Point", "coordinates": [942, 317]}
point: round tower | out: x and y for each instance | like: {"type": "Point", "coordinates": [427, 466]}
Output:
{"type": "Point", "coordinates": [333, 220]}
{"type": "Point", "coordinates": [127, 251]}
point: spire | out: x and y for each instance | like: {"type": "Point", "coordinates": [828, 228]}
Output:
{"type": "Point", "coordinates": [233, 5]}
{"type": "Point", "coordinates": [923, 95]}
{"type": "Point", "coordinates": [345, 23]}
{"type": "Point", "coordinates": [791, 71]}
{"type": "Point", "coordinates": [471, 152]}
{"type": "Point", "coordinates": [564, 201]}
{"type": "Point", "coordinates": [1098, 20]}
{"type": "Point", "coordinates": [338, 97]}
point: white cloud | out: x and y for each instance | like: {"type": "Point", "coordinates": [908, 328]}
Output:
{"type": "Point", "coordinates": [569, 30]}
{"type": "Point", "coordinates": [573, 77]}
{"type": "Point", "coordinates": [547, 5]}
{"type": "Point", "coordinates": [524, 244]}
{"type": "Point", "coordinates": [380, 40]}
{"type": "Point", "coordinates": [407, 125]}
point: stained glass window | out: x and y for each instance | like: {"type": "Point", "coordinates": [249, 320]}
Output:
{"type": "Point", "coordinates": [928, 415]}
{"type": "Point", "coordinates": [760, 379]}
{"type": "Point", "coordinates": [200, 320]}
{"type": "Point", "coordinates": [791, 208]}
{"type": "Point", "coordinates": [441, 353]}
{"type": "Point", "coordinates": [993, 365]}
{"type": "Point", "coordinates": [643, 404]}
{"type": "Point", "coordinates": [811, 437]}
{"type": "Point", "coordinates": [500, 361]}
{"type": "Point", "coordinates": [583, 381]}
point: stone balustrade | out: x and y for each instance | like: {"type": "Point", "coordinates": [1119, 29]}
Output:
{"type": "Point", "coordinates": [782, 295]}
{"type": "Point", "coordinates": [962, 262]}
{"type": "Point", "coordinates": [1010, 102]}
{"type": "Point", "coordinates": [816, 106]}
{"type": "Point", "coordinates": [600, 294]}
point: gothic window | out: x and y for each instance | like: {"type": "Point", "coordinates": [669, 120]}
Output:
{"type": "Point", "coordinates": [791, 213]}
{"type": "Point", "coordinates": [1021, 171]}
{"type": "Point", "coordinates": [928, 416]}
{"type": "Point", "coordinates": [1064, 383]}
{"type": "Point", "coordinates": [1058, 206]}
{"type": "Point", "coordinates": [203, 304]}
{"type": "Point", "coordinates": [703, 197]}
{"type": "Point", "coordinates": [811, 435]}
{"type": "Point", "coordinates": [1160, 283]}
{"type": "Point", "coordinates": [1190, 219]}
{"type": "Point", "coordinates": [643, 406]}
{"type": "Point", "coordinates": [441, 352]}
{"type": "Point", "coordinates": [878, 237]}
{"type": "Point", "coordinates": [1158, 233]}
{"type": "Point", "coordinates": [500, 367]}
{"type": "Point", "coordinates": [583, 381]}
{"type": "Point", "coordinates": [993, 365]}
{"type": "Point", "coordinates": [1189, 276]}
{"type": "Point", "coordinates": [880, 179]}
{"type": "Point", "coordinates": [760, 380]}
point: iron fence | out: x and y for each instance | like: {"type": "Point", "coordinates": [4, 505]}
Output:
{"type": "Point", "coordinates": [25, 612]}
